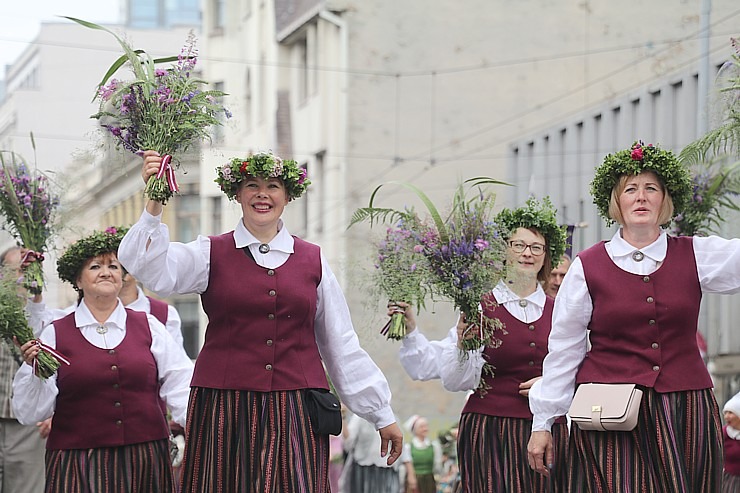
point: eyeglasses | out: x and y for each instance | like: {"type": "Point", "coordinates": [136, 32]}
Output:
{"type": "Point", "coordinates": [519, 246]}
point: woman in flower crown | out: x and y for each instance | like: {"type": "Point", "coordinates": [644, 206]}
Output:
{"type": "Point", "coordinates": [496, 421]}
{"type": "Point", "coordinates": [276, 313]}
{"type": "Point", "coordinates": [637, 296]}
{"type": "Point", "coordinates": [108, 431]}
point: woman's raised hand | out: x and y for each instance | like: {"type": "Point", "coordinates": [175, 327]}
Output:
{"type": "Point", "coordinates": [152, 162]}
{"type": "Point", "coordinates": [409, 319]}
{"type": "Point", "coordinates": [465, 330]}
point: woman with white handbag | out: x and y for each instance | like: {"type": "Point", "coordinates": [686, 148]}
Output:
{"type": "Point", "coordinates": [637, 296]}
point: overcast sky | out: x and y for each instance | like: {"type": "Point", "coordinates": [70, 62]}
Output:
{"type": "Point", "coordinates": [20, 20]}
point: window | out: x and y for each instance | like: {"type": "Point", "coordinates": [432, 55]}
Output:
{"type": "Point", "coordinates": [217, 135]}
{"type": "Point", "coordinates": [218, 21]}
{"type": "Point", "coordinates": [190, 328]}
{"type": "Point", "coordinates": [188, 217]}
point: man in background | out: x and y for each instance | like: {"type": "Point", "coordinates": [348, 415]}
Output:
{"type": "Point", "coordinates": [22, 448]}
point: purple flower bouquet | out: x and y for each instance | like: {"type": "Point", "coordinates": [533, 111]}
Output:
{"type": "Point", "coordinates": [29, 207]}
{"type": "Point", "coordinates": [165, 110]}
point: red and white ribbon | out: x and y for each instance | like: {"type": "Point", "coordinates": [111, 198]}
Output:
{"type": "Point", "coordinates": [53, 352]}
{"type": "Point", "coordinates": [166, 170]}
{"type": "Point", "coordinates": [30, 254]}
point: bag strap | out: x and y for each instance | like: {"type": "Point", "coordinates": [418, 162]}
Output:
{"type": "Point", "coordinates": [596, 418]}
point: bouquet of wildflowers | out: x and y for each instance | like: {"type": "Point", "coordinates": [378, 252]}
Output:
{"type": "Point", "coordinates": [161, 109]}
{"type": "Point", "coordinates": [466, 259]}
{"type": "Point", "coordinates": [29, 207]}
{"type": "Point", "coordinates": [463, 255]}
{"type": "Point", "coordinates": [400, 271]}
{"type": "Point", "coordinates": [715, 187]}
{"type": "Point", "coordinates": [13, 324]}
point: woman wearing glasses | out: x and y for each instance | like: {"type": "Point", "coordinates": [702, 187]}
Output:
{"type": "Point", "coordinates": [496, 421]}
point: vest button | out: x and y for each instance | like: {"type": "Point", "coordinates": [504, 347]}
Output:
{"type": "Point", "coordinates": [114, 368]}
{"type": "Point", "coordinates": [117, 404]}
{"type": "Point", "coordinates": [119, 422]}
{"type": "Point", "coordinates": [651, 322]}
{"type": "Point", "coordinates": [531, 363]}
{"type": "Point", "coordinates": [532, 344]}
{"type": "Point", "coordinates": [111, 351]}
{"type": "Point", "coordinates": [269, 342]}
{"type": "Point", "coordinates": [270, 316]}
{"type": "Point", "coordinates": [656, 368]}
{"type": "Point", "coordinates": [654, 345]}
{"type": "Point", "coordinates": [272, 292]}
{"type": "Point", "coordinates": [650, 299]}
{"type": "Point", "coordinates": [646, 279]}
{"type": "Point", "coordinates": [116, 386]}
{"type": "Point", "coordinates": [531, 327]}
{"type": "Point", "coordinates": [270, 272]}
{"type": "Point", "coordinates": [268, 367]}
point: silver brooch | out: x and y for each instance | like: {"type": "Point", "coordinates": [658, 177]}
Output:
{"type": "Point", "coordinates": [264, 248]}
{"type": "Point", "coordinates": [638, 256]}
{"type": "Point", "coordinates": [101, 329]}
{"type": "Point", "coordinates": [522, 303]}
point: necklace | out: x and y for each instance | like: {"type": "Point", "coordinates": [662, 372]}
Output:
{"type": "Point", "coordinates": [638, 256]}
{"type": "Point", "coordinates": [264, 248]}
{"type": "Point", "coordinates": [101, 329]}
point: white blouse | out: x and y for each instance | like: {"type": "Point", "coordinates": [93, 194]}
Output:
{"type": "Point", "coordinates": [424, 360]}
{"type": "Point", "coordinates": [34, 399]}
{"type": "Point", "coordinates": [718, 267]}
{"type": "Point", "coordinates": [171, 267]}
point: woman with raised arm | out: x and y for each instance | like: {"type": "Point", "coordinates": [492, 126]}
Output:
{"type": "Point", "coordinates": [276, 316]}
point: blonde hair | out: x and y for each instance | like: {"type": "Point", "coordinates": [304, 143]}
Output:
{"type": "Point", "coordinates": [666, 207]}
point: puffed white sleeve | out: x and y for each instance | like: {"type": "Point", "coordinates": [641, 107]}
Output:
{"type": "Point", "coordinates": [718, 264]}
{"type": "Point", "coordinates": [550, 397]}
{"type": "Point", "coordinates": [34, 398]}
{"type": "Point", "coordinates": [162, 266]}
{"type": "Point", "coordinates": [361, 385]}
{"type": "Point", "coordinates": [420, 357]}
{"type": "Point", "coordinates": [460, 371]}
{"type": "Point", "coordinates": [175, 370]}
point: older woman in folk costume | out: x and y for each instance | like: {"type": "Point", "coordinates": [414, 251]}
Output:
{"type": "Point", "coordinates": [108, 431]}
{"type": "Point", "coordinates": [638, 295]}
{"type": "Point", "coordinates": [496, 420]}
{"type": "Point", "coordinates": [276, 312]}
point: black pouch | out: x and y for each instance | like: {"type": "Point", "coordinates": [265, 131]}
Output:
{"type": "Point", "coordinates": [324, 411]}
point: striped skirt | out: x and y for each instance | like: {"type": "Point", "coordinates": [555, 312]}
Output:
{"type": "Point", "coordinates": [252, 442]}
{"type": "Point", "coordinates": [139, 468]}
{"type": "Point", "coordinates": [371, 479]}
{"type": "Point", "coordinates": [730, 483]}
{"type": "Point", "coordinates": [676, 447]}
{"type": "Point", "coordinates": [492, 455]}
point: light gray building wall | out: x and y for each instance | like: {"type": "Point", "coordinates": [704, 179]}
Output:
{"type": "Point", "coordinates": [428, 92]}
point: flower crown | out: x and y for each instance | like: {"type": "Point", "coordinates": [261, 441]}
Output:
{"type": "Point", "coordinates": [539, 216]}
{"type": "Point", "coordinates": [97, 243]}
{"type": "Point", "coordinates": [633, 161]}
{"type": "Point", "coordinates": [265, 165]}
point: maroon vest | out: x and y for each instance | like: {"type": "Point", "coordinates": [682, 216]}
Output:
{"type": "Point", "coordinates": [159, 309]}
{"type": "Point", "coordinates": [643, 327]}
{"type": "Point", "coordinates": [518, 359]}
{"type": "Point", "coordinates": [260, 333]}
{"type": "Point", "coordinates": [107, 397]}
